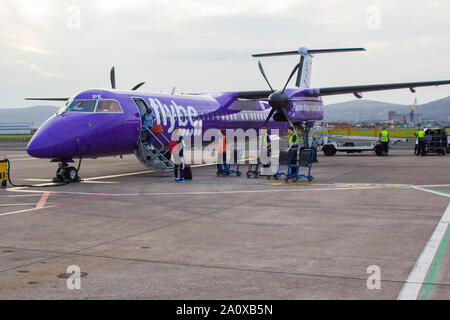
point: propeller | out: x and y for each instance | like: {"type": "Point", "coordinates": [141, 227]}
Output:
{"type": "Point", "coordinates": [112, 76]}
{"type": "Point", "coordinates": [278, 100]}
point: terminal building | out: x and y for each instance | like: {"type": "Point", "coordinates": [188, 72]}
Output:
{"type": "Point", "coordinates": [405, 118]}
{"type": "Point", "coordinates": [15, 128]}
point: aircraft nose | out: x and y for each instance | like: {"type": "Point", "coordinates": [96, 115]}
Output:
{"type": "Point", "coordinates": [37, 148]}
{"type": "Point", "coordinates": [50, 141]}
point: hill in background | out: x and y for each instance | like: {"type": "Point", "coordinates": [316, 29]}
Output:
{"type": "Point", "coordinates": [368, 110]}
{"type": "Point", "coordinates": [35, 115]}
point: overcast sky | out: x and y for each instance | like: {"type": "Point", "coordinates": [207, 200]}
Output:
{"type": "Point", "coordinates": [59, 48]}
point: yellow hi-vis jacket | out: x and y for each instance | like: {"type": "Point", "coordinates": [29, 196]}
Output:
{"type": "Point", "coordinates": [291, 139]}
{"type": "Point", "coordinates": [384, 136]}
{"type": "Point", "coordinates": [421, 134]}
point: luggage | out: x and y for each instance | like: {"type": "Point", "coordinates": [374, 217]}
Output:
{"type": "Point", "coordinates": [157, 129]}
{"type": "Point", "coordinates": [173, 147]}
{"type": "Point", "coordinates": [187, 173]}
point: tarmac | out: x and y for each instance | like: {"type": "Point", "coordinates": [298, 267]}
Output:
{"type": "Point", "coordinates": [363, 229]}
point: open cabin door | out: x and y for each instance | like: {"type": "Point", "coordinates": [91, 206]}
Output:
{"type": "Point", "coordinates": [156, 156]}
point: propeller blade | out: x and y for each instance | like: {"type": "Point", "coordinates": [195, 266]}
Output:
{"type": "Point", "coordinates": [47, 99]}
{"type": "Point", "coordinates": [269, 116]}
{"type": "Point", "coordinates": [112, 76]}
{"type": "Point", "coordinates": [138, 86]}
{"type": "Point", "coordinates": [264, 75]}
{"type": "Point", "coordinates": [290, 77]}
{"type": "Point", "coordinates": [288, 118]}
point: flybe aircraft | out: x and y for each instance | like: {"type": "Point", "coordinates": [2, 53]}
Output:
{"type": "Point", "coordinates": [104, 122]}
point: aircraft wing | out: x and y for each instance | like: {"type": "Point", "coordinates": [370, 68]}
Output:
{"type": "Point", "coordinates": [328, 91]}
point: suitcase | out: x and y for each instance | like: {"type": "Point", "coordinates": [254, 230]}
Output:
{"type": "Point", "coordinates": [187, 173]}
{"type": "Point", "coordinates": [156, 129]}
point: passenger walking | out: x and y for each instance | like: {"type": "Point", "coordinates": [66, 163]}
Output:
{"type": "Point", "coordinates": [149, 121]}
{"type": "Point", "coordinates": [176, 148]}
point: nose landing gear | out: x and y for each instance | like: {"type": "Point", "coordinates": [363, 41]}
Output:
{"type": "Point", "coordinates": [66, 173]}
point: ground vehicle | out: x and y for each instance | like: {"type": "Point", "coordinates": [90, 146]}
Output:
{"type": "Point", "coordinates": [436, 141]}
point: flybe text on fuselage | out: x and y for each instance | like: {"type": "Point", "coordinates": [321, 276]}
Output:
{"type": "Point", "coordinates": [173, 113]}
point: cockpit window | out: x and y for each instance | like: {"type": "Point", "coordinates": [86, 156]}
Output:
{"type": "Point", "coordinates": [108, 106]}
{"type": "Point", "coordinates": [82, 106]}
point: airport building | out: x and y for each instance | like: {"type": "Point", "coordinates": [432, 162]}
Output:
{"type": "Point", "coordinates": [15, 128]}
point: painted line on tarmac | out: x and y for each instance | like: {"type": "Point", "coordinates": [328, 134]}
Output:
{"type": "Point", "coordinates": [42, 201]}
{"type": "Point", "coordinates": [440, 193]}
{"type": "Point", "coordinates": [195, 193]}
{"type": "Point", "coordinates": [416, 278]}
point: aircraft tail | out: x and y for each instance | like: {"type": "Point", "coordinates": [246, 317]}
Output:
{"type": "Point", "coordinates": [306, 55]}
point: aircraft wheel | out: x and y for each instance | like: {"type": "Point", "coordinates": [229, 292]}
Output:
{"type": "Point", "coordinates": [238, 173]}
{"type": "Point", "coordinates": [71, 174]}
{"type": "Point", "coordinates": [310, 178]}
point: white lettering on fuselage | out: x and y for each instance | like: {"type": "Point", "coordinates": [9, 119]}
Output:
{"type": "Point", "coordinates": [176, 113]}
{"type": "Point", "coordinates": [303, 107]}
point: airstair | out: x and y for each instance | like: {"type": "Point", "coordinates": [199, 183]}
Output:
{"type": "Point", "coordinates": [155, 158]}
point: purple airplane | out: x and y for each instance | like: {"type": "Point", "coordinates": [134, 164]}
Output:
{"type": "Point", "coordinates": [101, 122]}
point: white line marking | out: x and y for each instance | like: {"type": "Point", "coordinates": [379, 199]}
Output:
{"type": "Point", "coordinates": [17, 204]}
{"type": "Point", "coordinates": [197, 193]}
{"type": "Point", "coordinates": [414, 282]}
{"type": "Point", "coordinates": [443, 194]}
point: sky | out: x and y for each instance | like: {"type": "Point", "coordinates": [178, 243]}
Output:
{"type": "Point", "coordinates": [51, 48]}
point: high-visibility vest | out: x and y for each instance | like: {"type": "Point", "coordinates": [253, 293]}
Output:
{"type": "Point", "coordinates": [292, 137]}
{"type": "Point", "coordinates": [384, 136]}
{"type": "Point", "coordinates": [421, 134]}
{"type": "Point", "coordinates": [264, 141]}
{"type": "Point", "coordinates": [222, 146]}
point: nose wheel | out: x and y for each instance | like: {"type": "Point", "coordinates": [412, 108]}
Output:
{"type": "Point", "coordinates": [64, 173]}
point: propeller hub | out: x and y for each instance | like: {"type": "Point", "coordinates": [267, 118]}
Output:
{"type": "Point", "coordinates": [278, 100]}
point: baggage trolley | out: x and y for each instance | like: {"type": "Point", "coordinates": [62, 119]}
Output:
{"type": "Point", "coordinates": [289, 161]}
{"type": "Point", "coordinates": [235, 160]}
{"type": "Point", "coordinates": [253, 170]}
{"type": "Point", "coordinates": [261, 168]}
{"type": "Point", "coordinates": [306, 160]}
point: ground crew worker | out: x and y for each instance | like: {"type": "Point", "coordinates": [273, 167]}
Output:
{"type": "Point", "coordinates": [265, 147]}
{"type": "Point", "coordinates": [222, 166]}
{"type": "Point", "coordinates": [384, 138]}
{"type": "Point", "coordinates": [421, 142]}
{"type": "Point", "coordinates": [293, 146]}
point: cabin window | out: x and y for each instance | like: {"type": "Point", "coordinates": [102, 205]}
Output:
{"type": "Point", "coordinates": [106, 106]}
{"type": "Point", "coordinates": [82, 106]}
